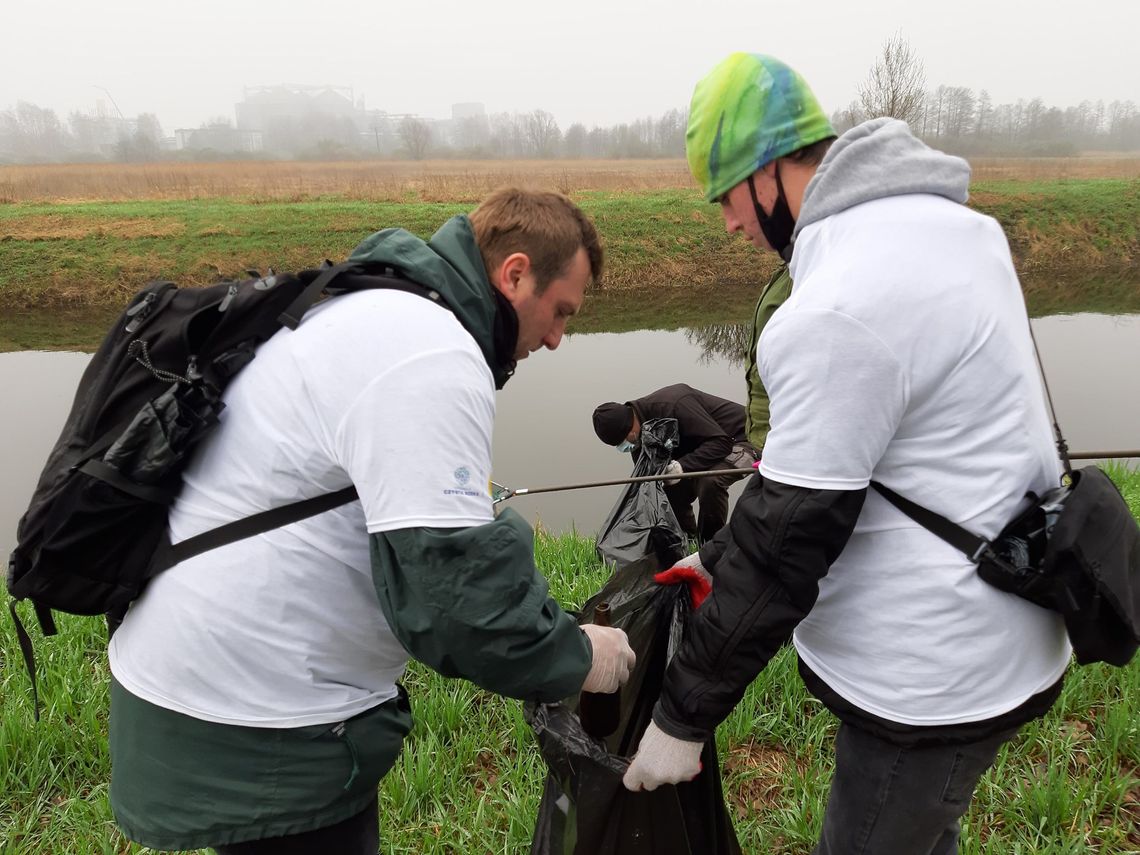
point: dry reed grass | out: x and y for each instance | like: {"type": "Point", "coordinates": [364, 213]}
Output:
{"type": "Point", "coordinates": [428, 181]}
{"type": "Point", "coordinates": [393, 181]}
{"type": "Point", "coordinates": [1055, 168]}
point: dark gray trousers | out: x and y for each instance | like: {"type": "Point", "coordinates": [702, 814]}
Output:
{"type": "Point", "coordinates": [357, 835]}
{"type": "Point", "coordinates": [890, 800]}
{"type": "Point", "coordinates": [711, 493]}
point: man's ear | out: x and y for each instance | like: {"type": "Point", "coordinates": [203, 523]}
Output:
{"type": "Point", "coordinates": [510, 273]}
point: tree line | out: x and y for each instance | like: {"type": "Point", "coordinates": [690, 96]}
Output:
{"type": "Point", "coordinates": [954, 118]}
{"type": "Point", "coordinates": [958, 119]}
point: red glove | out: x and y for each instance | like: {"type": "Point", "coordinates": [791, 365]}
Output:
{"type": "Point", "coordinates": [691, 572]}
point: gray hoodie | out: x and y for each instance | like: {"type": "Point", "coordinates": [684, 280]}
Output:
{"type": "Point", "coordinates": [876, 159]}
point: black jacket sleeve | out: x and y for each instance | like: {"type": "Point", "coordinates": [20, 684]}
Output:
{"type": "Point", "coordinates": [780, 542]}
{"type": "Point", "coordinates": [698, 428]}
{"type": "Point", "coordinates": [712, 550]}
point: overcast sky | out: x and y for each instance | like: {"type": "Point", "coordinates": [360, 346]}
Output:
{"type": "Point", "coordinates": [590, 61]}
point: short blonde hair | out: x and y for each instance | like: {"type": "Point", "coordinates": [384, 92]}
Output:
{"type": "Point", "coordinates": [546, 226]}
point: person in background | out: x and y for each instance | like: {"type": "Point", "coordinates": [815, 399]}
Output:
{"type": "Point", "coordinates": [255, 695]}
{"type": "Point", "coordinates": [902, 357]}
{"type": "Point", "coordinates": [712, 437]}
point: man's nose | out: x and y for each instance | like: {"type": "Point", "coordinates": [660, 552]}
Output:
{"type": "Point", "coordinates": [554, 337]}
{"type": "Point", "coordinates": [552, 340]}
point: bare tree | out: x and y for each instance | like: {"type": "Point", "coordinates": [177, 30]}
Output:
{"type": "Point", "coordinates": [415, 134]}
{"type": "Point", "coordinates": [670, 134]}
{"type": "Point", "coordinates": [574, 141]}
{"type": "Point", "coordinates": [542, 133]}
{"type": "Point", "coordinates": [984, 115]}
{"type": "Point", "coordinates": [506, 135]}
{"type": "Point", "coordinates": [896, 85]}
{"type": "Point", "coordinates": [847, 118]}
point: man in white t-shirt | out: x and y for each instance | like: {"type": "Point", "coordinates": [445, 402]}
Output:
{"type": "Point", "coordinates": [255, 700]}
{"type": "Point", "coordinates": [902, 356]}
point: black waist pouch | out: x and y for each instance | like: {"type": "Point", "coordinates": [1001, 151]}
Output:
{"type": "Point", "coordinates": [1076, 551]}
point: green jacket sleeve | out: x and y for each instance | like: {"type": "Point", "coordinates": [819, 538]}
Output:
{"type": "Point", "coordinates": [775, 293]}
{"type": "Point", "coordinates": [470, 603]}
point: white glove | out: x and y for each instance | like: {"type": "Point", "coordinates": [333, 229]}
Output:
{"type": "Point", "coordinates": [613, 658]}
{"type": "Point", "coordinates": [662, 759]}
{"type": "Point", "coordinates": [674, 468]}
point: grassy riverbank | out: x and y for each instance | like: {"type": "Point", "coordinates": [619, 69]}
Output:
{"type": "Point", "coordinates": [469, 779]}
{"type": "Point", "coordinates": [84, 255]}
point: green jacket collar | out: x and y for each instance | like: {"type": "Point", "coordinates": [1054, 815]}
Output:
{"type": "Point", "coordinates": [450, 263]}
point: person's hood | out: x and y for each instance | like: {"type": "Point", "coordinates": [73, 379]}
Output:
{"type": "Point", "coordinates": [451, 264]}
{"type": "Point", "coordinates": [876, 159]}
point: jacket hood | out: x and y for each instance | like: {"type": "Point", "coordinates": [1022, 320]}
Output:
{"type": "Point", "coordinates": [876, 159]}
{"type": "Point", "coordinates": [450, 262]}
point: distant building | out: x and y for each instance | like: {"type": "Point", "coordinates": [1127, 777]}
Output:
{"type": "Point", "coordinates": [100, 132]}
{"type": "Point", "coordinates": [468, 110]}
{"type": "Point", "coordinates": [468, 129]}
{"type": "Point", "coordinates": [297, 119]}
{"type": "Point", "coordinates": [221, 138]}
{"type": "Point", "coordinates": [262, 106]}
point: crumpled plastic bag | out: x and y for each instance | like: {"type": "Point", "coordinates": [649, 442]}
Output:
{"type": "Point", "coordinates": [642, 521]}
{"type": "Point", "coordinates": [585, 808]}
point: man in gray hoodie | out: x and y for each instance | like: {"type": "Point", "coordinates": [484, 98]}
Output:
{"type": "Point", "coordinates": [903, 358]}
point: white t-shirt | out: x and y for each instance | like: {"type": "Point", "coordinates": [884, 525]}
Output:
{"type": "Point", "coordinates": [383, 390]}
{"type": "Point", "coordinates": [903, 356]}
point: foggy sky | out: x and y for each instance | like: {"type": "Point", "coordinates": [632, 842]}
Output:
{"type": "Point", "coordinates": [584, 61]}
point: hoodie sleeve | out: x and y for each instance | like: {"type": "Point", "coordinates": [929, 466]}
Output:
{"type": "Point", "coordinates": [698, 426]}
{"type": "Point", "coordinates": [470, 603]}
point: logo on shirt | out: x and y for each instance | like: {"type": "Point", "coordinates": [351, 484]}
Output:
{"type": "Point", "coordinates": [462, 477]}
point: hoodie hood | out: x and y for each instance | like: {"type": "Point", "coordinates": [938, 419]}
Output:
{"type": "Point", "coordinates": [450, 263]}
{"type": "Point", "coordinates": [877, 159]}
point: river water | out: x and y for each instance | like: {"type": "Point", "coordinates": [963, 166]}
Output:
{"type": "Point", "coordinates": [543, 434]}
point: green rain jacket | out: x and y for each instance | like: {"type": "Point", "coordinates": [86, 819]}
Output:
{"type": "Point", "coordinates": [757, 413]}
{"type": "Point", "coordinates": [466, 602]}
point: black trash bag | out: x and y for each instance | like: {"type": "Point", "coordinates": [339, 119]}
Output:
{"type": "Point", "coordinates": [585, 808]}
{"type": "Point", "coordinates": [642, 522]}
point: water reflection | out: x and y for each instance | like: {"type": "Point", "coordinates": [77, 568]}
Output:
{"type": "Point", "coordinates": [727, 342]}
{"type": "Point", "coordinates": [543, 435]}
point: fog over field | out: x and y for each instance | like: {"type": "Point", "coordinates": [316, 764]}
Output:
{"type": "Point", "coordinates": [588, 62]}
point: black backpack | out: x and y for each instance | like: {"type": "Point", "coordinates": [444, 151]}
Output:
{"type": "Point", "coordinates": [95, 530]}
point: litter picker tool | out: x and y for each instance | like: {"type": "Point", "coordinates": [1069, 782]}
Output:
{"type": "Point", "coordinates": [501, 492]}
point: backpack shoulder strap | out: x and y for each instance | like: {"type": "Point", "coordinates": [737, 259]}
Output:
{"type": "Point", "coordinates": [249, 526]}
{"type": "Point", "coordinates": [970, 544]}
{"type": "Point", "coordinates": [292, 315]}
{"type": "Point", "coordinates": [348, 277]}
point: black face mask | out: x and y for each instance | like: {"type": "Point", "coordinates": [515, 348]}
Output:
{"type": "Point", "coordinates": [779, 225]}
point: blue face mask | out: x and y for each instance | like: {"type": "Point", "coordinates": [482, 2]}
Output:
{"type": "Point", "coordinates": [626, 447]}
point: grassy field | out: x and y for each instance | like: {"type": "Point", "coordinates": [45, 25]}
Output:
{"type": "Point", "coordinates": [469, 779]}
{"type": "Point", "coordinates": [77, 241]}
{"type": "Point", "coordinates": [84, 254]}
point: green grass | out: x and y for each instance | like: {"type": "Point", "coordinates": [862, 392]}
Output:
{"type": "Point", "coordinates": [84, 254]}
{"type": "Point", "coordinates": [1074, 225]}
{"type": "Point", "coordinates": [469, 778]}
